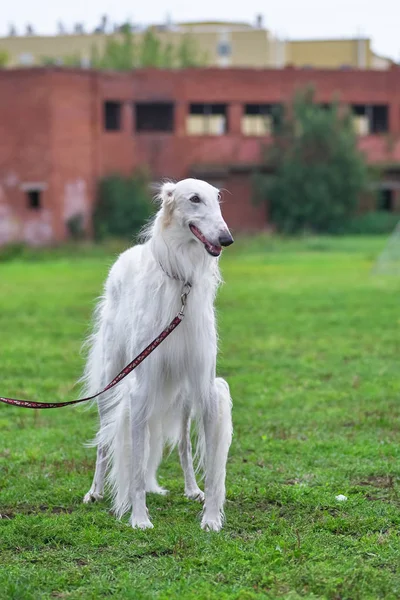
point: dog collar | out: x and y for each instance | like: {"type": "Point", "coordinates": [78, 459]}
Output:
{"type": "Point", "coordinates": [176, 277]}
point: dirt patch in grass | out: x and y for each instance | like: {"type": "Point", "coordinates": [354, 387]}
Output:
{"type": "Point", "coordinates": [378, 481]}
{"type": "Point", "coordinates": [35, 510]}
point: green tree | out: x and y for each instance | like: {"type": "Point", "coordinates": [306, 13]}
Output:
{"type": "Point", "coordinates": [70, 60]}
{"type": "Point", "coordinates": [4, 58]}
{"type": "Point", "coordinates": [188, 54]}
{"type": "Point", "coordinates": [316, 173]}
{"type": "Point", "coordinates": [124, 52]}
{"type": "Point", "coordinates": [168, 57]}
{"type": "Point", "coordinates": [150, 50]}
{"type": "Point", "coordinates": [123, 206]}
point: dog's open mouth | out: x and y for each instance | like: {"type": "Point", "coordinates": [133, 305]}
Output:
{"type": "Point", "coordinates": [211, 248]}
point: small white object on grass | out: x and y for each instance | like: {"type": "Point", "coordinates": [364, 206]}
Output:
{"type": "Point", "coordinates": [341, 498]}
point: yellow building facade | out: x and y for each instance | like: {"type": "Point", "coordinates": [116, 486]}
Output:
{"type": "Point", "coordinates": [221, 44]}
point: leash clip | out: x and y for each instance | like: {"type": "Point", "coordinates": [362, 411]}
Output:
{"type": "Point", "coordinates": [185, 293]}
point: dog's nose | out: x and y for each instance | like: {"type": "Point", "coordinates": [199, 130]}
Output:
{"type": "Point", "coordinates": [225, 239]}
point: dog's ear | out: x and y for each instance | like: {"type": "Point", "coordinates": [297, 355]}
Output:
{"type": "Point", "coordinates": [166, 194]}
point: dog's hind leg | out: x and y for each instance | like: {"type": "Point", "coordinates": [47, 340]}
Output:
{"type": "Point", "coordinates": [192, 490]}
{"type": "Point", "coordinates": [139, 430]}
{"type": "Point", "coordinates": [96, 491]}
{"type": "Point", "coordinates": [97, 488]}
{"type": "Point", "coordinates": [98, 379]}
{"type": "Point", "coordinates": [155, 456]}
{"type": "Point", "coordinates": [217, 436]}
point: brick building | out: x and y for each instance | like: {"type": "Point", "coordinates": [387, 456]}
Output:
{"type": "Point", "coordinates": [61, 130]}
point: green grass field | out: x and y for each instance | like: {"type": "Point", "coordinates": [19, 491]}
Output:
{"type": "Point", "coordinates": [310, 344]}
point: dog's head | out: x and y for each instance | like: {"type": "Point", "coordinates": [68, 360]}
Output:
{"type": "Point", "coordinates": [192, 206]}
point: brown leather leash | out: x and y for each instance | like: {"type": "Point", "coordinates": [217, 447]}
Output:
{"type": "Point", "coordinates": [122, 374]}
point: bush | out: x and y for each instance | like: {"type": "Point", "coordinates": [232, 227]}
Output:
{"type": "Point", "coordinates": [314, 172]}
{"type": "Point", "coordinates": [12, 251]}
{"type": "Point", "coordinates": [123, 206]}
{"type": "Point", "coordinates": [4, 58]}
{"type": "Point", "coordinates": [76, 227]}
{"type": "Point", "coordinates": [372, 223]}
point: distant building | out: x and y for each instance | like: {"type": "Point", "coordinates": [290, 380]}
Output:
{"type": "Point", "coordinates": [223, 44]}
{"type": "Point", "coordinates": [63, 129]}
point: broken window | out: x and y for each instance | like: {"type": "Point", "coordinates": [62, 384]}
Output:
{"type": "Point", "coordinates": [386, 199]}
{"type": "Point", "coordinates": [260, 119]}
{"type": "Point", "coordinates": [112, 115]}
{"type": "Point", "coordinates": [380, 118]}
{"type": "Point", "coordinates": [154, 116]}
{"type": "Point", "coordinates": [207, 119]}
{"type": "Point", "coordinates": [361, 120]}
{"type": "Point", "coordinates": [369, 119]}
{"type": "Point", "coordinates": [34, 199]}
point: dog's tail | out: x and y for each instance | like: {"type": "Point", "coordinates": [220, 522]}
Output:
{"type": "Point", "coordinates": [114, 436]}
{"type": "Point", "coordinates": [121, 463]}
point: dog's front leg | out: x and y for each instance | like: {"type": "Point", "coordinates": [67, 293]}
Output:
{"type": "Point", "coordinates": [140, 443]}
{"type": "Point", "coordinates": [218, 434]}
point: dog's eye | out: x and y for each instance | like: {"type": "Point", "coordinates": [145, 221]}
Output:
{"type": "Point", "coordinates": [195, 199]}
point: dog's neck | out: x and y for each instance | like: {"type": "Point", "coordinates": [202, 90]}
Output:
{"type": "Point", "coordinates": [180, 257]}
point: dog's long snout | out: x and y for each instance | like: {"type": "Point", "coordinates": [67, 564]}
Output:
{"type": "Point", "coordinates": [225, 238]}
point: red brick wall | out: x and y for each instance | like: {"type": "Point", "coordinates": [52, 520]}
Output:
{"type": "Point", "coordinates": [173, 155]}
{"type": "Point", "coordinates": [238, 208]}
{"type": "Point", "coordinates": [74, 131]}
{"type": "Point", "coordinates": [116, 149]}
{"type": "Point", "coordinates": [25, 155]}
{"type": "Point", "coordinates": [51, 132]}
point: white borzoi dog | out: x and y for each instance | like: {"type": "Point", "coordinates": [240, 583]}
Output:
{"type": "Point", "coordinates": [154, 405]}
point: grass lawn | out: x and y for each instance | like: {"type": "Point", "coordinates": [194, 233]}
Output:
{"type": "Point", "coordinates": [310, 344]}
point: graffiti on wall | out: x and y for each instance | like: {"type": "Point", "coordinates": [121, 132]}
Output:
{"type": "Point", "coordinates": [31, 227]}
{"type": "Point", "coordinates": [75, 200]}
{"type": "Point", "coordinates": [36, 227]}
{"type": "Point", "coordinates": [9, 226]}
{"type": "Point", "coordinates": [38, 231]}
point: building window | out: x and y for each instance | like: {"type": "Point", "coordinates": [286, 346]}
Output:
{"type": "Point", "coordinates": [154, 116]}
{"type": "Point", "coordinates": [34, 199]}
{"type": "Point", "coordinates": [224, 49]}
{"type": "Point", "coordinates": [112, 115]}
{"type": "Point", "coordinates": [380, 118]}
{"type": "Point", "coordinates": [26, 59]}
{"type": "Point", "coordinates": [386, 199]}
{"type": "Point", "coordinates": [260, 119]}
{"type": "Point", "coordinates": [207, 119]}
{"type": "Point", "coordinates": [361, 120]}
{"type": "Point", "coordinates": [370, 119]}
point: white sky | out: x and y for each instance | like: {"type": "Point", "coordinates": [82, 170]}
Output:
{"type": "Point", "coordinates": [295, 19]}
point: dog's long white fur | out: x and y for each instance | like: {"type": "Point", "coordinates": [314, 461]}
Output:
{"type": "Point", "coordinates": [155, 404]}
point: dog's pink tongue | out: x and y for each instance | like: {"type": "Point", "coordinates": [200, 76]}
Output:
{"type": "Point", "coordinates": [216, 250]}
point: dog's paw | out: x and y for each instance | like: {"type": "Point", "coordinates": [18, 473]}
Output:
{"type": "Point", "coordinates": [156, 489]}
{"type": "Point", "coordinates": [195, 494]}
{"type": "Point", "coordinates": [92, 497]}
{"type": "Point", "coordinates": [138, 523]}
{"type": "Point", "coordinates": [211, 524]}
